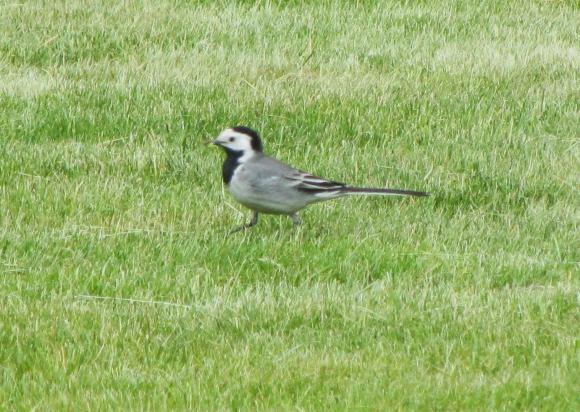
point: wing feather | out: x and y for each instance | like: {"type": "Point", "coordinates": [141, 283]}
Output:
{"type": "Point", "coordinates": [315, 185]}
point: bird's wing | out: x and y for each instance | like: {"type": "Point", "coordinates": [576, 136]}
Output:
{"type": "Point", "coordinates": [277, 173]}
{"type": "Point", "coordinates": [314, 185]}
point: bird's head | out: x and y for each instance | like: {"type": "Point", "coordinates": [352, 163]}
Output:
{"type": "Point", "coordinates": [240, 140]}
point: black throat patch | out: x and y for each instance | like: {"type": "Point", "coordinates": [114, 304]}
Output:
{"type": "Point", "coordinates": [230, 164]}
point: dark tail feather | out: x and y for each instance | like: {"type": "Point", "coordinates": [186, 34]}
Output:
{"type": "Point", "coordinates": [385, 192]}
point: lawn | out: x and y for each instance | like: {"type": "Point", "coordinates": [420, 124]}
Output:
{"type": "Point", "coordinates": [119, 289]}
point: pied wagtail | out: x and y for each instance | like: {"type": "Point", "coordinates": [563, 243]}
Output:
{"type": "Point", "coordinates": [266, 185]}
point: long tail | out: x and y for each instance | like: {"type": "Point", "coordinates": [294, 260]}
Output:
{"type": "Point", "coordinates": [381, 192]}
{"type": "Point", "coordinates": [323, 189]}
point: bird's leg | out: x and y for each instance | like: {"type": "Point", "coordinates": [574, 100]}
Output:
{"type": "Point", "coordinates": [253, 222]}
{"type": "Point", "coordinates": [296, 220]}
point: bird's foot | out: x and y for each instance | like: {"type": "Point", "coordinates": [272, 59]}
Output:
{"type": "Point", "coordinates": [252, 222]}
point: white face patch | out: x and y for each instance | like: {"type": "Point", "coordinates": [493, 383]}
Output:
{"type": "Point", "coordinates": [239, 142]}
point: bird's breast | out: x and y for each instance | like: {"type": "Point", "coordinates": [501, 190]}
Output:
{"type": "Point", "coordinates": [261, 194]}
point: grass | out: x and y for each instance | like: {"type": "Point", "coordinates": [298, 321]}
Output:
{"type": "Point", "coordinates": [118, 288]}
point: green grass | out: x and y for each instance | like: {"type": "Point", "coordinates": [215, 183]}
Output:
{"type": "Point", "coordinates": [465, 300]}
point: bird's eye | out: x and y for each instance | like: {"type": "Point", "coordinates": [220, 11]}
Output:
{"type": "Point", "coordinates": [231, 139]}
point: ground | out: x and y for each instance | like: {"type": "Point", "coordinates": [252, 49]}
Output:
{"type": "Point", "coordinates": [119, 288]}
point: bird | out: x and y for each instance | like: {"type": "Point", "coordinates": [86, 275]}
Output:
{"type": "Point", "coordinates": [266, 185]}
